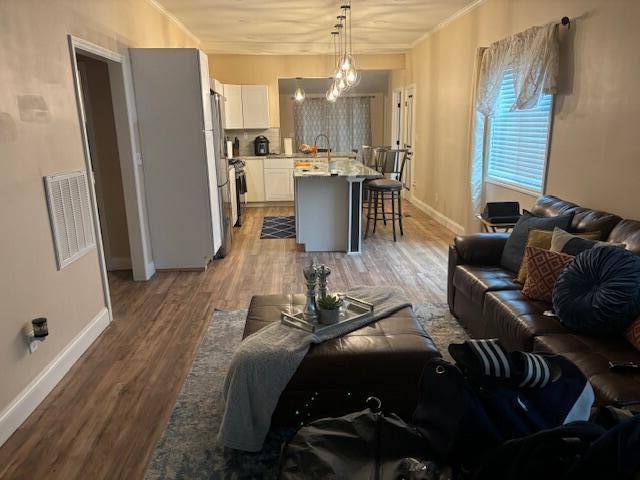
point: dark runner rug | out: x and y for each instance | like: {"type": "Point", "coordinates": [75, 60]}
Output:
{"type": "Point", "coordinates": [187, 447]}
{"type": "Point", "coordinates": [278, 227]}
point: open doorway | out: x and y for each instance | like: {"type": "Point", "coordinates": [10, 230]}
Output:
{"type": "Point", "coordinates": [102, 142]}
{"type": "Point", "coordinates": [102, 80]}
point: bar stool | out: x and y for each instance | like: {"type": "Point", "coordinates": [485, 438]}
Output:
{"type": "Point", "coordinates": [373, 157]}
{"type": "Point", "coordinates": [393, 166]}
{"type": "Point", "coordinates": [367, 154]}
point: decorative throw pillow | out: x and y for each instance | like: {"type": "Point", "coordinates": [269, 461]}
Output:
{"type": "Point", "coordinates": [599, 293]}
{"type": "Point", "coordinates": [571, 244]}
{"type": "Point", "coordinates": [514, 248]}
{"type": "Point", "coordinates": [544, 268]}
{"type": "Point", "coordinates": [536, 238]}
{"type": "Point", "coordinates": [632, 333]}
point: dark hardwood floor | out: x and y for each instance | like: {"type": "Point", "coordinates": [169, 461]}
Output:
{"type": "Point", "coordinates": [103, 419]}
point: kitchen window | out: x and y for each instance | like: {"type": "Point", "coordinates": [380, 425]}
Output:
{"type": "Point", "coordinates": [518, 141]}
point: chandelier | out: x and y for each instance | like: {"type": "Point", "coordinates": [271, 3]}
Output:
{"type": "Point", "coordinates": [346, 75]}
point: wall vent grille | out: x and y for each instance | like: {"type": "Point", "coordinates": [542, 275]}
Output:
{"type": "Point", "coordinates": [70, 215]}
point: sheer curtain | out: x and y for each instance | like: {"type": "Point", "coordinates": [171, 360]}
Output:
{"type": "Point", "coordinates": [347, 122]}
{"type": "Point", "coordinates": [533, 57]}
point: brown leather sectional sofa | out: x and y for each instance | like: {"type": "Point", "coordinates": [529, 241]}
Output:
{"type": "Point", "coordinates": [488, 302]}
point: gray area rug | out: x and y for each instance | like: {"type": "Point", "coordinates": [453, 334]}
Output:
{"type": "Point", "coordinates": [187, 448]}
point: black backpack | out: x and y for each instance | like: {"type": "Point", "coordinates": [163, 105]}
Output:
{"type": "Point", "coordinates": [363, 445]}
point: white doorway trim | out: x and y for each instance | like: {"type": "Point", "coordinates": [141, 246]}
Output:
{"type": "Point", "coordinates": [409, 133]}
{"type": "Point", "coordinates": [397, 97]}
{"type": "Point", "coordinates": [124, 111]}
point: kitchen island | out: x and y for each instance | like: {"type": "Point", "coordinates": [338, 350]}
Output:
{"type": "Point", "coordinates": [328, 204]}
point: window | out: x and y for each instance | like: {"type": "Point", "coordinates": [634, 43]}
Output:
{"type": "Point", "coordinates": [518, 140]}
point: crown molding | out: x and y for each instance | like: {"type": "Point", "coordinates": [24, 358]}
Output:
{"type": "Point", "coordinates": [447, 21]}
{"type": "Point", "coordinates": [173, 19]}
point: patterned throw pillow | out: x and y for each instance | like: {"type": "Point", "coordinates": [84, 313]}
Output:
{"type": "Point", "coordinates": [536, 238]}
{"type": "Point", "coordinates": [544, 268]}
{"type": "Point", "coordinates": [632, 333]}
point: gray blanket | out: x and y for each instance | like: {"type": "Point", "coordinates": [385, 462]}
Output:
{"type": "Point", "coordinates": [265, 362]}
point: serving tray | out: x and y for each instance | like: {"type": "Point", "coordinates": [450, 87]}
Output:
{"type": "Point", "coordinates": [352, 310]}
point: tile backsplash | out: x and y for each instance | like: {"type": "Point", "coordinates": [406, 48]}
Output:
{"type": "Point", "coordinates": [247, 137]}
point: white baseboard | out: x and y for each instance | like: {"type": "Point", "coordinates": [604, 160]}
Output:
{"type": "Point", "coordinates": [26, 402]}
{"type": "Point", "coordinates": [438, 217]}
{"type": "Point", "coordinates": [119, 263]}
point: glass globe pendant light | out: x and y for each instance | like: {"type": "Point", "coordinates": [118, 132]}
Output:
{"type": "Point", "coordinates": [299, 94]}
{"type": "Point", "coordinates": [347, 63]}
{"type": "Point", "coordinates": [335, 90]}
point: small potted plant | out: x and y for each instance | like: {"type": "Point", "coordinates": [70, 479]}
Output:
{"type": "Point", "coordinates": [329, 307]}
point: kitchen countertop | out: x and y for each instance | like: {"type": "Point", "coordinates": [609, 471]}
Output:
{"type": "Point", "coordinates": [343, 168]}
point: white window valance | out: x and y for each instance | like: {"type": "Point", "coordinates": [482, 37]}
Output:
{"type": "Point", "coordinates": [532, 56]}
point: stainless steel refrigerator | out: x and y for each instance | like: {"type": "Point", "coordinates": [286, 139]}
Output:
{"type": "Point", "coordinates": [222, 172]}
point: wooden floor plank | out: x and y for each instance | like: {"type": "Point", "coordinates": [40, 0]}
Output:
{"type": "Point", "coordinates": [103, 419]}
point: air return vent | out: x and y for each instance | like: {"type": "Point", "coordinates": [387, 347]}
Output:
{"type": "Point", "coordinates": [70, 215]}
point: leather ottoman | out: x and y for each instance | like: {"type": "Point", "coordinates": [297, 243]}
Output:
{"type": "Point", "coordinates": [384, 359]}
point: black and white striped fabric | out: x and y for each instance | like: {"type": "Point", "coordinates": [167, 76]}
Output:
{"type": "Point", "coordinates": [524, 369]}
{"type": "Point", "coordinates": [536, 371]}
{"type": "Point", "coordinates": [493, 356]}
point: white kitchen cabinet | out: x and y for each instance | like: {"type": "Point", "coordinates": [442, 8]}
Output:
{"type": "Point", "coordinates": [277, 184]}
{"type": "Point", "coordinates": [233, 106]}
{"type": "Point", "coordinates": [254, 173]}
{"type": "Point", "coordinates": [255, 106]}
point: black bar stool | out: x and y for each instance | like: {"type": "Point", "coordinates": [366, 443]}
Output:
{"type": "Point", "coordinates": [392, 167]}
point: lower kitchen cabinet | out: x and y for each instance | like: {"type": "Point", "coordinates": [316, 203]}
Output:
{"type": "Point", "coordinates": [277, 184]}
{"type": "Point", "coordinates": [254, 172]}
{"type": "Point", "coordinates": [269, 179]}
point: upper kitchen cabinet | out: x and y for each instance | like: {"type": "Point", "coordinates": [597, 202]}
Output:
{"type": "Point", "coordinates": [255, 106]}
{"type": "Point", "coordinates": [246, 107]}
{"type": "Point", "coordinates": [233, 106]}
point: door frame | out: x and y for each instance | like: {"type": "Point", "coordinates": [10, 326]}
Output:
{"type": "Point", "coordinates": [396, 117]}
{"type": "Point", "coordinates": [121, 83]}
{"type": "Point", "coordinates": [410, 91]}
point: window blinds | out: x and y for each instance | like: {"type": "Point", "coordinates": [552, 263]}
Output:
{"type": "Point", "coordinates": [518, 140]}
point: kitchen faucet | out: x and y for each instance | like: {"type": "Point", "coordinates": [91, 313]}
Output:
{"type": "Point", "coordinates": [315, 142]}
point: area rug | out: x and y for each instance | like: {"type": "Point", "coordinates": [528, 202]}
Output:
{"type": "Point", "coordinates": [278, 227]}
{"type": "Point", "coordinates": [187, 448]}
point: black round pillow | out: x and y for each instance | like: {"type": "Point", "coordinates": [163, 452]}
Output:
{"type": "Point", "coordinates": [599, 292]}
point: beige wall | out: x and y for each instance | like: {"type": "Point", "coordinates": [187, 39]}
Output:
{"type": "Point", "coordinates": [35, 61]}
{"type": "Point", "coordinates": [595, 147]}
{"type": "Point", "coordinates": [267, 69]}
{"type": "Point", "coordinates": [105, 160]}
{"type": "Point", "coordinates": [287, 125]}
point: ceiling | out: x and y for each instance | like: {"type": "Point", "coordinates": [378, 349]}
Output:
{"type": "Point", "coordinates": [372, 81]}
{"type": "Point", "coordinates": [302, 26]}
